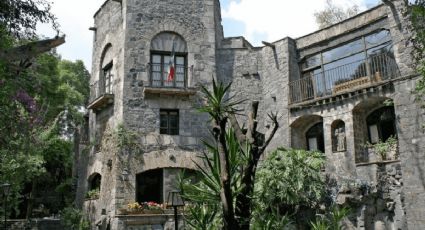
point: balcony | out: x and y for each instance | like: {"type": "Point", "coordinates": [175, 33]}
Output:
{"type": "Point", "coordinates": [100, 97]}
{"type": "Point", "coordinates": [345, 78]}
{"type": "Point", "coordinates": [159, 84]}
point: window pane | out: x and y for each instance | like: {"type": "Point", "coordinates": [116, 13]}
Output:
{"type": "Point", "coordinates": [312, 144]}
{"type": "Point", "coordinates": [312, 61]}
{"type": "Point", "coordinates": [374, 136]}
{"type": "Point", "coordinates": [180, 60]}
{"type": "Point", "coordinates": [345, 69]}
{"type": "Point", "coordinates": [169, 122]}
{"type": "Point", "coordinates": [386, 49]}
{"type": "Point", "coordinates": [156, 58]}
{"type": "Point", "coordinates": [377, 38]}
{"type": "Point", "coordinates": [344, 50]}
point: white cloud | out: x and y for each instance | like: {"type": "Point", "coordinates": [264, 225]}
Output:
{"type": "Point", "coordinates": [74, 17]}
{"type": "Point", "coordinates": [279, 18]}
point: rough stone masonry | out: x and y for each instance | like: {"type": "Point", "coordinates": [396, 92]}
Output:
{"type": "Point", "coordinates": [351, 82]}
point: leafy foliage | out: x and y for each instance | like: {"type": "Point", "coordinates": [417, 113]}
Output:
{"type": "Point", "coordinates": [331, 220]}
{"type": "Point", "coordinates": [288, 182]}
{"type": "Point", "coordinates": [203, 216]}
{"type": "Point", "coordinates": [205, 194]}
{"type": "Point", "coordinates": [333, 14]}
{"type": "Point", "coordinates": [417, 10]}
{"type": "Point", "coordinates": [20, 17]}
{"type": "Point", "coordinates": [217, 104]}
{"type": "Point", "coordinates": [40, 107]}
{"type": "Point", "coordinates": [73, 219]}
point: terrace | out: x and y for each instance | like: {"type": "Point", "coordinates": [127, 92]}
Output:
{"type": "Point", "coordinates": [361, 63]}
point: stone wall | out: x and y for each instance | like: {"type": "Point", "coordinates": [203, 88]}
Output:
{"type": "Point", "coordinates": [257, 73]}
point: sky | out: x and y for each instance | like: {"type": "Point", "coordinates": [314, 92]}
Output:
{"type": "Point", "coordinates": [256, 20]}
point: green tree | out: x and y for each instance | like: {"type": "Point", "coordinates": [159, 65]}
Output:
{"type": "Point", "coordinates": [333, 14]}
{"type": "Point", "coordinates": [40, 106]}
{"type": "Point", "coordinates": [417, 13]}
{"type": "Point", "coordinates": [234, 190]}
{"type": "Point", "coordinates": [289, 186]}
{"type": "Point", "coordinates": [19, 18]}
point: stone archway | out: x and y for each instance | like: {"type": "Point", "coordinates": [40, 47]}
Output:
{"type": "Point", "coordinates": [307, 133]}
{"type": "Point", "coordinates": [367, 125]}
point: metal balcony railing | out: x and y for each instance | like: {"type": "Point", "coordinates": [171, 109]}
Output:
{"type": "Point", "coordinates": [344, 78]}
{"type": "Point", "coordinates": [100, 95]}
{"type": "Point", "coordinates": [158, 76]}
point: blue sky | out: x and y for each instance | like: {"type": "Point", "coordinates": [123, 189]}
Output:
{"type": "Point", "coordinates": [256, 20]}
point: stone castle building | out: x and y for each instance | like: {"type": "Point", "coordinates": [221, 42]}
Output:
{"type": "Point", "coordinates": [338, 90]}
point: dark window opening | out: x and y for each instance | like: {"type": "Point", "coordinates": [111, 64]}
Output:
{"type": "Point", "coordinates": [381, 124]}
{"type": "Point", "coordinates": [169, 122]}
{"type": "Point", "coordinates": [315, 139]}
{"type": "Point", "coordinates": [149, 186]}
{"type": "Point", "coordinates": [95, 181]}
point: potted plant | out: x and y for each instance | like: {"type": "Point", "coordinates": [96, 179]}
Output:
{"type": "Point", "coordinates": [93, 194]}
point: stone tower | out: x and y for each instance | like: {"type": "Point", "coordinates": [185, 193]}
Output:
{"type": "Point", "coordinates": [132, 97]}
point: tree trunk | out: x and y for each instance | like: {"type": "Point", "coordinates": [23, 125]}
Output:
{"type": "Point", "coordinates": [244, 198]}
{"type": "Point", "coordinates": [226, 191]}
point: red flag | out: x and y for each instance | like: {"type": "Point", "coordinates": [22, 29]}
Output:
{"type": "Point", "coordinates": [171, 66]}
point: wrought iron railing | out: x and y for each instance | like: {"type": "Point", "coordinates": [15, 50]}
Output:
{"type": "Point", "coordinates": [97, 89]}
{"type": "Point", "coordinates": [344, 78]}
{"type": "Point", "coordinates": [158, 76]}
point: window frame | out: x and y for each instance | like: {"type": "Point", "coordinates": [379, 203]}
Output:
{"type": "Point", "coordinates": [163, 70]}
{"type": "Point", "coordinates": [168, 128]}
{"type": "Point", "coordinates": [365, 49]}
{"type": "Point", "coordinates": [107, 78]}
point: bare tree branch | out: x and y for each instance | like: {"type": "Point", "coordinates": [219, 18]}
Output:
{"type": "Point", "coordinates": [31, 49]}
{"type": "Point", "coordinates": [236, 127]}
{"type": "Point", "coordinates": [252, 122]}
{"type": "Point", "coordinates": [273, 117]}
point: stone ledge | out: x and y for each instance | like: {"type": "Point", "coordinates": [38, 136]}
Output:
{"type": "Point", "coordinates": [101, 102]}
{"type": "Point", "coordinates": [377, 162]}
{"type": "Point", "coordinates": [169, 91]}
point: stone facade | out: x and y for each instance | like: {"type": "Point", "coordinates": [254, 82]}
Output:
{"type": "Point", "coordinates": [125, 123]}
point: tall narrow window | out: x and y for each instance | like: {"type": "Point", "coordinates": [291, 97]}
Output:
{"type": "Point", "coordinates": [169, 122]}
{"type": "Point", "coordinates": [108, 78]}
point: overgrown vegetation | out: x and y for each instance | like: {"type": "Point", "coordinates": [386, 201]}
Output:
{"type": "Point", "coordinates": [40, 99]}
{"type": "Point", "coordinates": [289, 189]}
{"type": "Point", "coordinates": [417, 13]}
{"type": "Point", "coordinates": [382, 148]}
{"type": "Point", "coordinates": [73, 219]}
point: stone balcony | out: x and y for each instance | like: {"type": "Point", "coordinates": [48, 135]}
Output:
{"type": "Point", "coordinates": [99, 98]}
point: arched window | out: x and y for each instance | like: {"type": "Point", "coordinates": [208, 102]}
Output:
{"type": "Point", "coordinates": [314, 138]}
{"type": "Point", "coordinates": [95, 181]}
{"type": "Point", "coordinates": [106, 74]}
{"type": "Point", "coordinates": [338, 136]}
{"type": "Point", "coordinates": [381, 124]}
{"type": "Point", "coordinates": [168, 50]}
